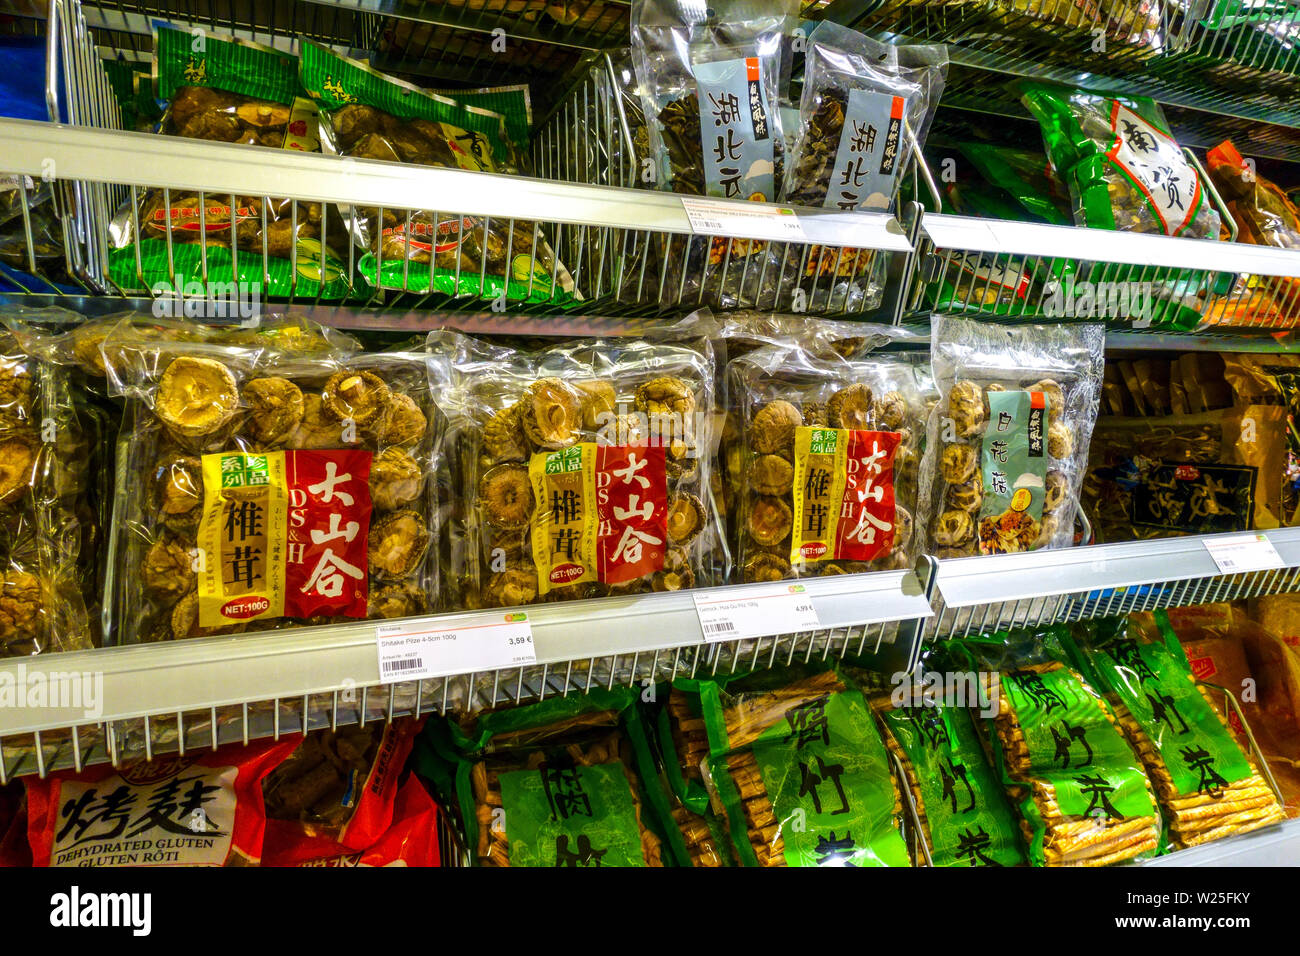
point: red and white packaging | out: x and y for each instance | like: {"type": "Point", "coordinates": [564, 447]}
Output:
{"type": "Point", "coordinates": [411, 840]}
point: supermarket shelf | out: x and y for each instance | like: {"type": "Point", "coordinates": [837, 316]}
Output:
{"type": "Point", "coordinates": [1273, 846]}
{"type": "Point", "coordinates": [277, 682]}
{"type": "Point", "coordinates": [993, 592]}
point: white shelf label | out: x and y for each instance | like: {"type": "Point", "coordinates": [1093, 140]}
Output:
{"type": "Point", "coordinates": [729, 614]}
{"type": "Point", "coordinates": [415, 649]}
{"type": "Point", "coordinates": [714, 216]}
{"type": "Point", "coordinates": [1244, 552]}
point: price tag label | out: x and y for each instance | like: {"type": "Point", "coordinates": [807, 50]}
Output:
{"type": "Point", "coordinates": [714, 216]}
{"type": "Point", "coordinates": [418, 648]}
{"type": "Point", "coordinates": [729, 614]}
{"type": "Point", "coordinates": [1244, 552]}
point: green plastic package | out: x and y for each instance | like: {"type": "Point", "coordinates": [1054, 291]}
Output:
{"type": "Point", "coordinates": [564, 782]}
{"type": "Point", "coordinates": [1207, 786]}
{"type": "Point", "coordinates": [372, 116]}
{"type": "Point", "coordinates": [958, 797]}
{"type": "Point", "coordinates": [1082, 794]}
{"type": "Point", "coordinates": [224, 89]}
{"type": "Point", "coordinates": [801, 772]}
{"type": "Point", "coordinates": [1025, 176]}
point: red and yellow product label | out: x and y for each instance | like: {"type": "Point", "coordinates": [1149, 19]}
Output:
{"type": "Point", "coordinates": [602, 514]}
{"type": "Point", "coordinates": [283, 534]}
{"type": "Point", "coordinates": [843, 494]}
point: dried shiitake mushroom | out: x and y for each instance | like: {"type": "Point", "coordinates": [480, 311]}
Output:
{"type": "Point", "coordinates": [766, 566]}
{"type": "Point", "coordinates": [1051, 525]}
{"type": "Point", "coordinates": [967, 496]}
{"type": "Point", "coordinates": [196, 396]}
{"type": "Point", "coordinates": [676, 574]}
{"type": "Point", "coordinates": [685, 519]}
{"type": "Point", "coordinates": [318, 430]}
{"type": "Point", "coordinates": [851, 407]}
{"type": "Point", "coordinates": [503, 436]}
{"type": "Point", "coordinates": [816, 413]}
{"type": "Point", "coordinates": [1060, 441]}
{"type": "Point", "coordinates": [275, 409]}
{"type": "Point", "coordinates": [966, 408]}
{"type": "Point", "coordinates": [772, 429]}
{"type": "Point", "coordinates": [665, 396]}
{"type": "Point", "coordinates": [356, 396]}
{"type": "Point", "coordinates": [15, 390]}
{"type": "Point", "coordinates": [263, 114]}
{"type": "Point", "coordinates": [395, 479]}
{"type": "Point", "coordinates": [397, 600]}
{"type": "Point", "coordinates": [180, 485]}
{"type": "Point", "coordinates": [404, 425]}
{"type": "Point", "coordinates": [599, 401]}
{"type": "Point", "coordinates": [1055, 490]}
{"type": "Point", "coordinates": [959, 463]}
{"type": "Point", "coordinates": [890, 411]}
{"type": "Point", "coordinates": [953, 528]}
{"type": "Point", "coordinates": [397, 544]}
{"type": "Point", "coordinates": [771, 475]}
{"type": "Point", "coordinates": [552, 413]}
{"type": "Point", "coordinates": [17, 465]}
{"type": "Point", "coordinates": [1055, 398]}
{"type": "Point", "coordinates": [770, 520]}
{"type": "Point", "coordinates": [505, 494]}
{"type": "Point", "coordinates": [21, 610]}
{"type": "Point", "coordinates": [167, 571]}
{"type": "Point", "coordinates": [512, 587]}
{"type": "Point", "coordinates": [902, 527]}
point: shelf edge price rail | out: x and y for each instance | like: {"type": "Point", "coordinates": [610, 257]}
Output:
{"type": "Point", "coordinates": [729, 614]}
{"type": "Point", "coordinates": [421, 648]}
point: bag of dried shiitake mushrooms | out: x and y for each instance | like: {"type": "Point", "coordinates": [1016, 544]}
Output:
{"type": "Point", "coordinates": [47, 528]}
{"type": "Point", "coordinates": [1008, 441]}
{"type": "Point", "coordinates": [228, 90]}
{"type": "Point", "coordinates": [584, 468]}
{"type": "Point", "coordinates": [274, 488]}
{"type": "Point", "coordinates": [828, 461]}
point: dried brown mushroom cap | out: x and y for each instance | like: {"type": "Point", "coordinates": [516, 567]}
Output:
{"type": "Point", "coordinates": [902, 527]}
{"type": "Point", "coordinates": [1060, 441]}
{"type": "Point", "coordinates": [966, 408]}
{"type": "Point", "coordinates": [503, 436]}
{"type": "Point", "coordinates": [183, 622]}
{"type": "Point", "coordinates": [816, 413]}
{"type": "Point", "coordinates": [682, 470]}
{"type": "Point", "coordinates": [599, 401]}
{"type": "Point", "coordinates": [318, 430]}
{"type": "Point", "coordinates": [512, 587]}
{"type": "Point", "coordinates": [505, 494]}
{"type": "Point", "coordinates": [167, 570]}
{"type": "Point", "coordinates": [770, 520]}
{"type": "Point", "coordinates": [668, 395]}
{"type": "Point", "coordinates": [397, 600]}
{"type": "Point", "coordinates": [404, 425]}
{"type": "Point", "coordinates": [1055, 490]}
{"type": "Point", "coordinates": [676, 574]}
{"type": "Point", "coordinates": [1055, 397]}
{"type": "Point", "coordinates": [15, 390]}
{"type": "Point", "coordinates": [966, 496]}
{"type": "Point", "coordinates": [21, 612]}
{"type": "Point", "coordinates": [685, 519]}
{"type": "Point", "coordinates": [953, 528]}
{"type": "Point", "coordinates": [179, 482]}
{"type": "Point", "coordinates": [771, 475]}
{"type": "Point", "coordinates": [263, 114]}
{"type": "Point", "coordinates": [196, 396]}
{"type": "Point", "coordinates": [395, 479]}
{"type": "Point", "coordinates": [959, 463]}
{"type": "Point", "coordinates": [890, 411]}
{"type": "Point", "coordinates": [359, 397]}
{"type": "Point", "coordinates": [275, 409]}
{"type": "Point", "coordinates": [17, 467]}
{"type": "Point", "coordinates": [397, 544]}
{"type": "Point", "coordinates": [851, 407]}
{"type": "Point", "coordinates": [1050, 527]}
{"type": "Point", "coordinates": [766, 566]}
{"type": "Point", "coordinates": [772, 429]}
{"type": "Point", "coordinates": [551, 413]}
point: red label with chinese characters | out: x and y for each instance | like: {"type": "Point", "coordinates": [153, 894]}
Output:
{"type": "Point", "coordinates": [632, 511]}
{"type": "Point", "coordinates": [1203, 667]}
{"type": "Point", "coordinates": [866, 524]}
{"type": "Point", "coordinates": [326, 561]}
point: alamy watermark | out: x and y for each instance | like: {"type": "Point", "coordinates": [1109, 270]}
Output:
{"type": "Point", "coordinates": [207, 300]}
{"type": "Point", "coordinates": [53, 690]}
{"type": "Point", "coordinates": [969, 689]}
{"type": "Point", "coordinates": [1069, 299]}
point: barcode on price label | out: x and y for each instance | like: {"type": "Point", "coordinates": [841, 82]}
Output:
{"type": "Point", "coordinates": [757, 611]}
{"type": "Point", "coordinates": [1238, 554]}
{"type": "Point", "coordinates": [419, 648]}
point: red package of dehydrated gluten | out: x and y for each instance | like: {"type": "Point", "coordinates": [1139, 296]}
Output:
{"type": "Point", "coordinates": [412, 840]}
{"type": "Point", "coordinates": [335, 794]}
{"type": "Point", "coordinates": [198, 810]}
